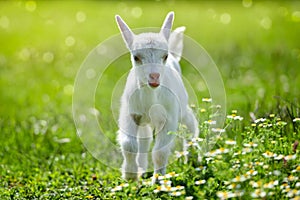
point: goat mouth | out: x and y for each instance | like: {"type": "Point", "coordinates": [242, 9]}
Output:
{"type": "Point", "coordinates": [154, 84]}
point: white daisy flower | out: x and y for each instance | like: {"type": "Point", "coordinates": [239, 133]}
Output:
{"type": "Point", "coordinates": [218, 130]}
{"type": "Point", "coordinates": [206, 100]}
{"type": "Point", "coordinates": [210, 122]}
{"type": "Point", "coordinates": [230, 142]}
{"type": "Point", "coordinates": [225, 195]}
{"type": "Point", "coordinates": [290, 157]}
{"type": "Point", "coordinates": [296, 119]}
{"type": "Point", "coordinates": [260, 120]}
{"type": "Point", "coordinates": [200, 182]}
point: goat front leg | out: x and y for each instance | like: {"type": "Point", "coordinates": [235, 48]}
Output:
{"type": "Point", "coordinates": [127, 137]}
{"type": "Point", "coordinates": [144, 141]}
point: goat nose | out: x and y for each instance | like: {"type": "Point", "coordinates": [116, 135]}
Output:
{"type": "Point", "coordinates": [154, 76]}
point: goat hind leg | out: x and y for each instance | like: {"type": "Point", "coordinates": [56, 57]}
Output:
{"type": "Point", "coordinates": [192, 124]}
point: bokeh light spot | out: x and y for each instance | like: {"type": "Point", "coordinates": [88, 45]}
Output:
{"type": "Point", "coordinates": [136, 12]}
{"type": "Point", "coordinates": [101, 50]}
{"type": "Point", "coordinates": [70, 41]}
{"type": "Point", "coordinates": [90, 73]}
{"type": "Point", "coordinates": [212, 13]}
{"type": "Point", "coordinates": [69, 89]}
{"type": "Point", "coordinates": [30, 6]}
{"type": "Point", "coordinates": [296, 16]}
{"type": "Point", "coordinates": [4, 22]}
{"type": "Point", "coordinates": [80, 16]}
{"type": "Point", "coordinates": [24, 54]}
{"type": "Point", "coordinates": [266, 23]}
{"type": "Point", "coordinates": [247, 3]}
{"type": "Point", "coordinates": [225, 18]}
{"type": "Point", "coordinates": [48, 57]}
{"type": "Point", "coordinates": [283, 11]}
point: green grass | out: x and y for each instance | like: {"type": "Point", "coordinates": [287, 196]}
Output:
{"type": "Point", "coordinates": [257, 53]}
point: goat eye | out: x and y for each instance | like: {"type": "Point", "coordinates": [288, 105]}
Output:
{"type": "Point", "coordinates": [137, 59]}
{"type": "Point", "coordinates": [165, 58]}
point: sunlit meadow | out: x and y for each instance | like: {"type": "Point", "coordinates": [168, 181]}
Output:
{"type": "Point", "coordinates": [255, 155]}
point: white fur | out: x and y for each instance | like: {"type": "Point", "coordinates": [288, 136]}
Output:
{"type": "Point", "coordinates": [148, 110]}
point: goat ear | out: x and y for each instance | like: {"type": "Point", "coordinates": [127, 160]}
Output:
{"type": "Point", "coordinates": [176, 42]}
{"type": "Point", "coordinates": [167, 25]}
{"type": "Point", "coordinates": [127, 34]}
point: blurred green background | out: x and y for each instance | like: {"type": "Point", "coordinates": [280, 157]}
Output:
{"type": "Point", "coordinates": [255, 45]}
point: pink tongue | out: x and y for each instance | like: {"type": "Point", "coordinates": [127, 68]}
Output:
{"type": "Point", "coordinates": [154, 84]}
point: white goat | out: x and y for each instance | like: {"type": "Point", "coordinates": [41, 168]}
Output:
{"type": "Point", "coordinates": [154, 101]}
